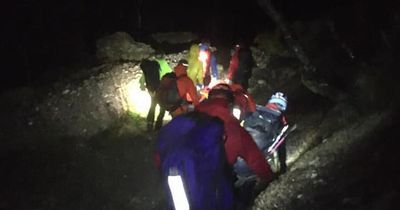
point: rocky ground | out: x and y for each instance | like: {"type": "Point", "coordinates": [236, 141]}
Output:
{"type": "Point", "coordinates": [354, 168]}
{"type": "Point", "coordinates": [350, 167]}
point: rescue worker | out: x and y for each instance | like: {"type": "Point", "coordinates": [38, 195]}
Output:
{"type": "Point", "coordinates": [234, 63]}
{"type": "Point", "coordinates": [187, 90]}
{"type": "Point", "coordinates": [195, 66]}
{"type": "Point", "coordinates": [241, 66]}
{"type": "Point", "coordinates": [243, 100]}
{"type": "Point", "coordinates": [209, 61]}
{"type": "Point", "coordinates": [238, 142]}
{"type": "Point", "coordinates": [151, 81]}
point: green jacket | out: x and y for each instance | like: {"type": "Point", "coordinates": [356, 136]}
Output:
{"type": "Point", "coordinates": [164, 66]}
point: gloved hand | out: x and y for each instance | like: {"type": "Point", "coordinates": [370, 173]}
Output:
{"type": "Point", "coordinates": [228, 81]}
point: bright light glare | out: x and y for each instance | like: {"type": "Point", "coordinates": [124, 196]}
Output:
{"type": "Point", "coordinates": [203, 56]}
{"type": "Point", "coordinates": [236, 112]}
{"type": "Point", "coordinates": [178, 193]}
{"type": "Point", "coordinates": [138, 101]}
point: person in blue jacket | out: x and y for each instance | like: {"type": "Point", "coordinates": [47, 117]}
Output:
{"type": "Point", "coordinates": [209, 60]}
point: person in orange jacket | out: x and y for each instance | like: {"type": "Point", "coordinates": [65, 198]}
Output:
{"type": "Point", "coordinates": [187, 90]}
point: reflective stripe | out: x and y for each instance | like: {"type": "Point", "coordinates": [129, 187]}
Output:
{"type": "Point", "coordinates": [236, 112]}
{"type": "Point", "coordinates": [178, 193]}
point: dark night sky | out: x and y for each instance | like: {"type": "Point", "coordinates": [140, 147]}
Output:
{"type": "Point", "coordinates": [42, 35]}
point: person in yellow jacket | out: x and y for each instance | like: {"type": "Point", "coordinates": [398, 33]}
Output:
{"type": "Point", "coordinates": [195, 68]}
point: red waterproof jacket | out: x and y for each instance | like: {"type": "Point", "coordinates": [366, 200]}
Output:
{"type": "Point", "coordinates": [238, 142]}
{"type": "Point", "coordinates": [244, 100]}
{"type": "Point", "coordinates": [233, 64]}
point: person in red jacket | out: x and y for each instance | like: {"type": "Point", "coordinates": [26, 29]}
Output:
{"type": "Point", "coordinates": [243, 100]}
{"type": "Point", "coordinates": [186, 88]}
{"type": "Point", "coordinates": [238, 142]}
{"type": "Point", "coordinates": [234, 63]}
{"type": "Point", "coordinates": [241, 65]}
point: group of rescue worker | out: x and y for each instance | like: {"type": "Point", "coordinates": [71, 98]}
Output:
{"type": "Point", "coordinates": [204, 90]}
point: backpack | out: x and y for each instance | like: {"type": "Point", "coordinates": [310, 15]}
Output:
{"type": "Point", "coordinates": [263, 126]}
{"type": "Point", "coordinates": [168, 94]}
{"type": "Point", "coordinates": [151, 71]}
{"type": "Point", "coordinates": [191, 146]}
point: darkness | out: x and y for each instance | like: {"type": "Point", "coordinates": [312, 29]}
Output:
{"type": "Point", "coordinates": [46, 36]}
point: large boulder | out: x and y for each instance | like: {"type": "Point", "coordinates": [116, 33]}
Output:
{"type": "Point", "coordinates": [89, 106]}
{"type": "Point", "coordinates": [80, 105]}
{"type": "Point", "coordinates": [120, 46]}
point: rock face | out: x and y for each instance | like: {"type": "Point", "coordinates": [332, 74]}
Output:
{"type": "Point", "coordinates": [81, 105]}
{"type": "Point", "coordinates": [78, 106]}
{"type": "Point", "coordinates": [87, 107]}
{"type": "Point", "coordinates": [120, 46]}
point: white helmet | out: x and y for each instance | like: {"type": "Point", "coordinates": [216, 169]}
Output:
{"type": "Point", "coordinates": [280, 99]}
